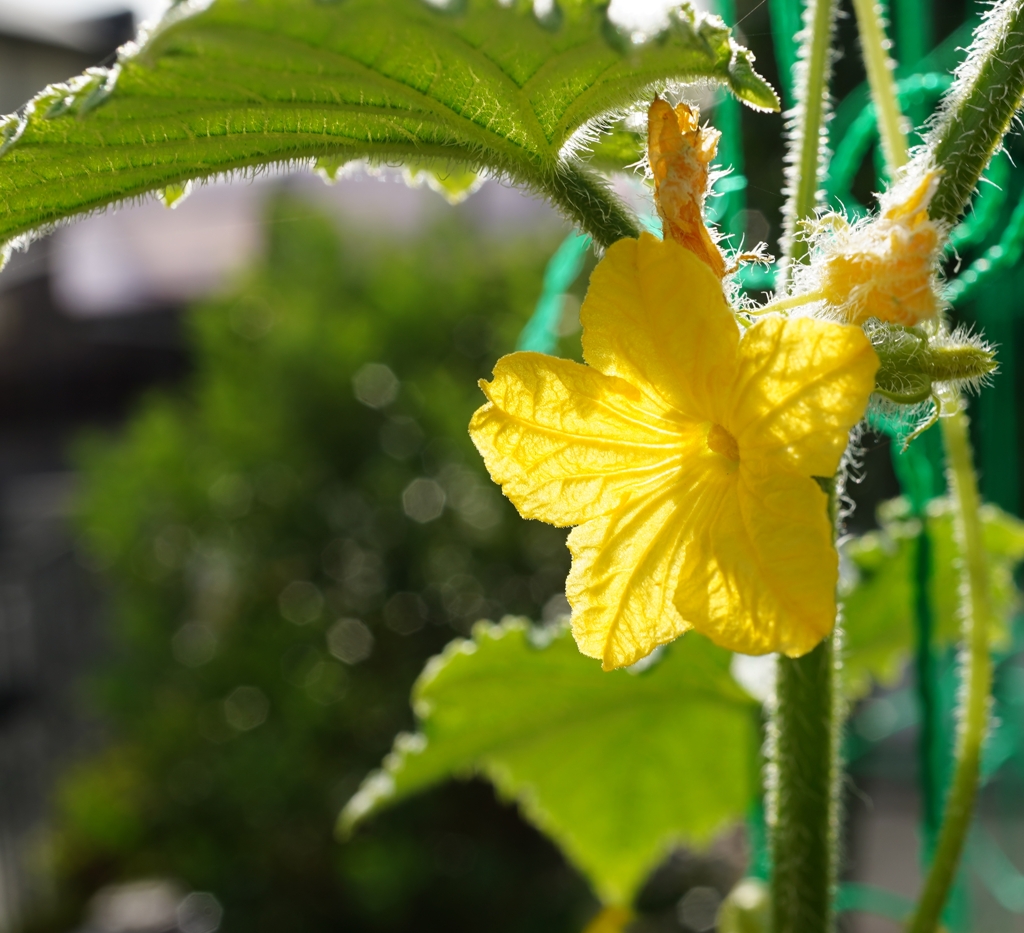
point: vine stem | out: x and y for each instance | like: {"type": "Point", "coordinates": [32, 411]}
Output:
{"type": "Point", "coordinates": [804, 747]}
{"type": "Point", "coordinates": [804, 778]}
{"type": "Point", "coordinates": [977, 676]}
{"type": "Point", "coordinates": [879, 66]}
{"type": "Point", "coordinates": [591, 205]}
{"type": "Point", "coordinates": [978, 109]}
{"type": "Point", "coordinates": [807, 141]}
{"type": "Point", "coordinates": [963, 485]}
{"type": "Point", "coordinates": [805, 799]}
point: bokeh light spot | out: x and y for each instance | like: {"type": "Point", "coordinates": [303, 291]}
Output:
{"type": "Point", "coordinates": [246, 708]}
{"type": "Point", "coordinates": [698, 908]}
{"type": "Point", "coordinates": [375, 385]}
{"type": "Point", "coordinates": [199, 912]}
{"type": "Point", "coordinates": [405, 613]}
{"type": "Point", "coordinates": [194, 644]}
{"type": "Point", "coordinates": [301, 602]}
{"type": "Point", "coordinates": [349, 640]}
{"type": "Point", "coordinates": [423, 500]}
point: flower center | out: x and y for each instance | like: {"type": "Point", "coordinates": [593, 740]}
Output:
{"type": "Point", "coordinates": [723, 443]}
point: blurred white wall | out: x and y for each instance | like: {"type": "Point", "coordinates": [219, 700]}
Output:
{"type": "Point", "coordinates": [44, 19]}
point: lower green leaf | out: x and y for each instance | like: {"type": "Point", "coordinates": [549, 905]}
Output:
{"type": "Point", "coordinates": [879, 605]}
{"type": "Point", "coordinates": [454, 182]}
{"type": "Point", "coordinates": [616, 767]}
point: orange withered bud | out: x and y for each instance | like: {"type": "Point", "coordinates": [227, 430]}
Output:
{"type": "Point", "coordinates": [680, 152]}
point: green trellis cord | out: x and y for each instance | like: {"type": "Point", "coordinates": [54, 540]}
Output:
{"type": "Point", "coordinates": [541, 332]}
{"type": "Point", "coordinates": [863, 131]}
{"type": "Point", "coordinates": [785, 20]}
{"type": "Point", "coordinates": [1003, 256]}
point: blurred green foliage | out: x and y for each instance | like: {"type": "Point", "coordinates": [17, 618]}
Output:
{"type": "Point", "coordinates": [273, 601]}
{"type": "Point", "coordinates": [878, 604]}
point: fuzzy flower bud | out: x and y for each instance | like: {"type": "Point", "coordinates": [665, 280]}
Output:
{"type": "Point", "coordinates": [886, 268]}
{"type": "Point", "coordinates": [680, 152]}
{"type": "Point", "coordinates": [913, 367]}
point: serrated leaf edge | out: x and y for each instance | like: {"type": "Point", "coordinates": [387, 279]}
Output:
{"type": "Point", "coordinates": [378, 786]}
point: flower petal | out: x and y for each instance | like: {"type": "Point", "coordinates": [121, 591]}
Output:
{"type": "Point", "coordinates": [802, 385]}
{"type": "Point", "coordinates": [656, 316]}
{"type": "Point", "coordinates": [567, 443]}
{"type": "Point", "coordinates": [626, 565]}
{"type": "Point", "coordinates": [760, 574]}
{"type": "Point", "coordinates": [886, 269]}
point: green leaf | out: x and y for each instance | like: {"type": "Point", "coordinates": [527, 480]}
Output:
{"type": "Point", "coordinates": [245, 83]}
{"type": "Point", "coordinates": [617, 149]}
{"type": "Point", "coordinates": [878, 611]}
{"type": "Point", "coordinates": [614, 767]}
{"type": "Point", "coordinates": [454, 183]}
{"type": "Point", "coordinates": [879, 608]}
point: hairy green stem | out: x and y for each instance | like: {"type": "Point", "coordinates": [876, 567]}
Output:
{"type": "Point", "coordinates": [977, 676]}
{"type": "Point", "coordinates": [882, 81]}
{"type": "Point", "coordinates": [804, 782]}
{"type": "Point", "coordinates": [977, 110]}
{"type": "Point", "coordinates": [804, 744]}
{"type": "Point", "coordinates": [805, 802]}
{"type": "Point", "coordinates": [808, 140]}
{"type": "Point", "coordinates": [976, 115]}
{"type": "Point", "coordinates": [590, 203]}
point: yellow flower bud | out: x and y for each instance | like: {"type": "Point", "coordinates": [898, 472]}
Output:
{"type": "Point", "coordinates": [886, 269]}
{"type": "Point", "coordinates": [680, 152]}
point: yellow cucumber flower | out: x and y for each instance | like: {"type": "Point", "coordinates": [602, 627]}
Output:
{"type": "Point", "coordinates": [684, 455]}
{"type": "Point", "coordinates": [886, 268]}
